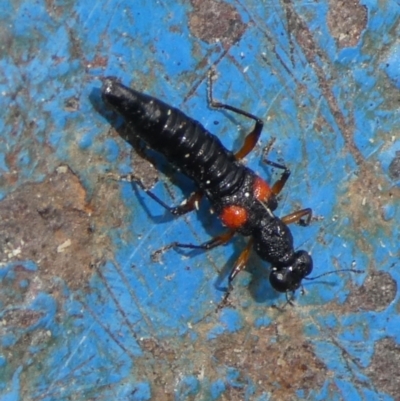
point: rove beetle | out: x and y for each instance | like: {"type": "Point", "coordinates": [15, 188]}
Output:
{"type": "Point", "coordinates": [243, 201]}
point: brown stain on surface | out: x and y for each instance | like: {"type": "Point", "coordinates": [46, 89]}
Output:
{"type": "Point", "coordinates": [384, 367]}
{"type": "Point", "coordinates": [377, 292]}
{"type": "Point", "coordinates": [53, 224]}
{"type": "Point", "coordinates": [48, 223]}
{"type": "Point", "coordinates": [20, 318]}
{"type": "Point", "coordinates": [277, 358]}
{"type": "Point", "coordinates": [346, 20]}
{"type": "Point", "coordinates": [216, 21]}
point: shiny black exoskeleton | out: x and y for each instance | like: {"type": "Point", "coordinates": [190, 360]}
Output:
{"type": "Point", "coordinates": [243, 201]}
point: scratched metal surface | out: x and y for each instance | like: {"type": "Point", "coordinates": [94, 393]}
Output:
{"type": "Point", "coordinates": [85, 313]}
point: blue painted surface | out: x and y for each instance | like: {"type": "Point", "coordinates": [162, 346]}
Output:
{"type": "Point", "coordinates": [56, 51]}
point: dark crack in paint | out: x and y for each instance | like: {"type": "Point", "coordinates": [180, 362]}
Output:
{"type": "Point", "coordinates": [215, 21]}
{"type": "Point", "coordinates": [386, 359]}
{"type": "Point", "coordinates": [394, 167]}
{"type": "Point", "coordinates": [377, 292]}
{"type": "Point", "coordinates": [346, 20]}
{"type": "Point", "coordinates": [71, 104]}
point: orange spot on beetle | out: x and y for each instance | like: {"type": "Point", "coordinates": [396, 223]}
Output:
{"type": "Point", "coordinates": [233, 216]}
{"type": "Point", "coordinates": [262, 191]}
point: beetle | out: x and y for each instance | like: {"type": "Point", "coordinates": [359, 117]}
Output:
{"type": "Point", "coordinates": [243, 201]}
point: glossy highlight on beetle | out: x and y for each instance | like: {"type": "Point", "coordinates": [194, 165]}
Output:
{"type": "Point", "coordinates": [243, 201]}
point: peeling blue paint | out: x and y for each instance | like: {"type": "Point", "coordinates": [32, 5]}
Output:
{"type": "Point", "coordinates": [217, 388]}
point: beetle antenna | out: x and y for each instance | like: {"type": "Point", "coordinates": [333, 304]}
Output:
{"type": "Point", "coordinates": [334, 271]}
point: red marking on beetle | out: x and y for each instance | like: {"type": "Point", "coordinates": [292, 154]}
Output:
{"type": "Point", "coordinates": [233, 216]}
{"type": "Point", "coordinates": [262, 191]}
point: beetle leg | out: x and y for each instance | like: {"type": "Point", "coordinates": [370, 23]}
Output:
{"type": "Point", "coordinates": [185, 207]}
{"type": "Point", "coordinates": [278, 185]}
{"type": "Point", "coordinates": [252, 138]}
{"type": "Point", "coordinates": [297, 217]}
{"type": "Point", "coordinates": [239, 265]}
{"type": "Point", "coordinates": [221, 239]}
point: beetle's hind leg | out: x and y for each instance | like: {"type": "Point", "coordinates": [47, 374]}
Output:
{"type": "Point", "coordinates": [252, 138]}
{"type": "Point", "coordinates": [186, 206]}
{"type": "Point", "coordinates": [219, 240]}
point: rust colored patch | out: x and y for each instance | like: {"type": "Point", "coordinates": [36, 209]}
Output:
{"type": "Point", "coordinates": [216, 21]}
{"type": "Point", "coordinates": [346, 20]}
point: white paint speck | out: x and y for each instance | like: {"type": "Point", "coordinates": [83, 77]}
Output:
{"type": "Point", "coordinates": [170, 277]}
{"type": "Point", "coordinates": [64, 245]}
{"type": "Point", "coordinates": [16, 251]}
{"type": "Point", "coordinates": [62, 169]}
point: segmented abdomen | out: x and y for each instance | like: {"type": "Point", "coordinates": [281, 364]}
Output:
{"type": "Point", "coordinates": [184, 141]}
